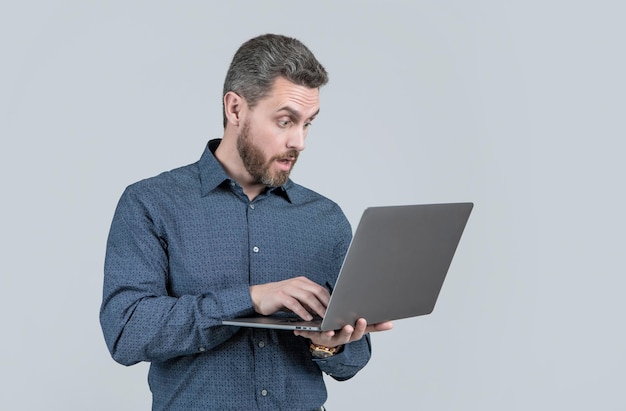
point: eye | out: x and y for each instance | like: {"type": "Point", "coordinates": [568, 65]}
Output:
{"type": "Point", "coordinates": [307, 125]}
{"type": "Point", "coordinates": [284, 123]}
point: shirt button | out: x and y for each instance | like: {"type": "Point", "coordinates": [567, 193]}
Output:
{"type": "Point", "coordinates": [252, 206]}
{"type": "Point", "coordinates": [261, 344]}
{"type": "Point", "coordinates": [201, 349]}
{"type": "Point", "coordinates": [255, 249]}
{"type": "Point", "coordinates": [264, 392]}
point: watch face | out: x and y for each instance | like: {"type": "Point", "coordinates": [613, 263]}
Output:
{"type": "Point", "coordinates": [318, 351]}
{"type": "Point", "coordinates": [321, 354]}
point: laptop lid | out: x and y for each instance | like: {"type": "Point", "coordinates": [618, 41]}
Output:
{"type": "Point", "coordinates": [394, 269]}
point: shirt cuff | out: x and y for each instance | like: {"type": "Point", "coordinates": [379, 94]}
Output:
{"type": "Point", "coordinates": [349, 361]}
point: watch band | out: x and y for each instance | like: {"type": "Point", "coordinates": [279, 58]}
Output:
{"type": "Point", "coordinates": [320, 351]}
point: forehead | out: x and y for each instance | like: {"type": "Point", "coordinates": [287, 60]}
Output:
{"type": "Point", "coordinates": [285, 94]}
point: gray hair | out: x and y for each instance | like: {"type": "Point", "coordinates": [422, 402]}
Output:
{"type": "Point", "coordinates": [260, 60]}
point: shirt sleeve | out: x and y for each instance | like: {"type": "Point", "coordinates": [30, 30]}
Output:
{"type": "Point", "coordinates": [139, 319]}
{"type": "Point", "coordinates": [349, 361]}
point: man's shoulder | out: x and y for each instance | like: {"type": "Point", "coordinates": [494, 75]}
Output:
{"type": "Point", "coordinates": [301, 194]}
{"type": "Point", "coordinates": [173, 181]}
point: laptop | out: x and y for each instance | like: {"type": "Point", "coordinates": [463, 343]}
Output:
{"type": "Point", "coordinates": [394, 268]}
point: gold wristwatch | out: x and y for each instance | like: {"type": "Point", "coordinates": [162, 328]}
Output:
{"type": "Point", "coordinates": [320, 351]}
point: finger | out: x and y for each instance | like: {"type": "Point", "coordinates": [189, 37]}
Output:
{"type": "Point", "coordinates": [358, 331]}
{"type": "Point", "coordinates": [312, 296]}
{"type": "Point", "coordinates": [320, 338]}
{"type": "Point", "coordinates": [344, 336]}
{"type": "Point", "coordinates": [384, 326]}
{"type": "Point", "coordinates": [312, 304]}
{"type": "Point", "coordinates": [294, 305]}
{"type": "Point", "coordinates": [302, 296]}
{"type": "Point", "coordinates": [321, 293]}
{"type": "Point", "coordinates": [360, 325]}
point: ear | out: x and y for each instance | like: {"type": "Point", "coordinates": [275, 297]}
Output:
{"type": "Point", "coordinates": [233, 106]}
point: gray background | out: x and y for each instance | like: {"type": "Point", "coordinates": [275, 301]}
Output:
{"type": "Point", "coordinates": [517, 106]}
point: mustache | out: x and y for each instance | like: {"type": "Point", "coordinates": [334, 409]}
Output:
{"type": "Point", "coordinates": [290, 155]}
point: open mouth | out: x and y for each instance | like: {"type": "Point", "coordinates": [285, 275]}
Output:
{"type": "Point", "coordinates": [286, 163]}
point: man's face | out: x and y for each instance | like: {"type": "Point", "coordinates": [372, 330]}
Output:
{"type": "Point", "coordinates": [274, 131]}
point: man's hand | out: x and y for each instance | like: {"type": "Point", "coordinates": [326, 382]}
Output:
{"type": "Point", "coordinates": [299, 295]}
{"type": "Point", "coordinates": [346, 335]}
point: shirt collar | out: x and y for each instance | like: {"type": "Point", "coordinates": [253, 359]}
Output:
{"type": "Point", "coordinates": [212, 174]}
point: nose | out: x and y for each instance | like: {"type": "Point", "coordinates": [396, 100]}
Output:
{"type": "Point", "coordinates": [296, 139]}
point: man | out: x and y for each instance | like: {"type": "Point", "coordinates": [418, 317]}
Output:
{"type": "Point", "coordinates": [231, 235]}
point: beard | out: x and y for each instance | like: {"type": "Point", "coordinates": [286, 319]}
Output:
{"type": "Point", "coordinates": [256, 163]}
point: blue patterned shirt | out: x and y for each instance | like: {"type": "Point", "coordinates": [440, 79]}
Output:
{"type": "Point", "coordinates": [183, 249]}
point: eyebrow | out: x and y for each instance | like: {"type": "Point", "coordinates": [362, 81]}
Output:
{"type": "Point", "coordinates": [295, 113]}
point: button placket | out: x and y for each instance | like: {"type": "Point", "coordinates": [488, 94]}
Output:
{"type": "Point", "coordinates": [255, 249]}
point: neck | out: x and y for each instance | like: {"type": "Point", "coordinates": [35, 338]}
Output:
{"type": "Point", "coordinates": [228, 156]}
